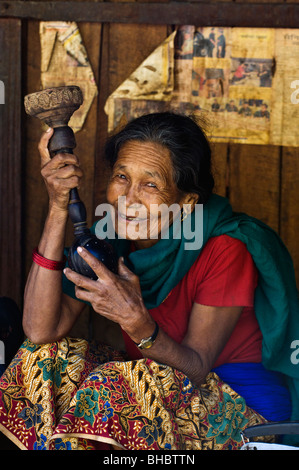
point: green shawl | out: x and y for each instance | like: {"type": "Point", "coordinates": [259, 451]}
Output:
{"type": "Point", "coordinates": [162, 266]}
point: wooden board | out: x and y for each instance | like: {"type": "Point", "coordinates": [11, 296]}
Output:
{"type": "Point", "coordinates": [11, 163]}
{"type": "Point", "coordinates": [254, 181]}
{"type": "Point", "coordinates": [220, 168]}
{"type": "Point", "coordinates": [244, 14]}
{"type": "Point", "coordinates": [289, 207]}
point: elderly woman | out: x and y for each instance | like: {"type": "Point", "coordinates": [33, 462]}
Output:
{"type": "Point", "coordinates": [199, 324]}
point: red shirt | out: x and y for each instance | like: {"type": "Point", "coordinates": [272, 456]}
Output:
{"type": "Point", "coordinates": [223, 275]}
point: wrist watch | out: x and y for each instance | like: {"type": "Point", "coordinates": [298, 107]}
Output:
{"type": "Point", "coordinates": [147, 343]}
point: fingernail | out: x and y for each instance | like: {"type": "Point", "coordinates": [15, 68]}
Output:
{"type": "Point", "coordinates": [49, 129]}
{"type": "Point", "coordinates": [80, 249]}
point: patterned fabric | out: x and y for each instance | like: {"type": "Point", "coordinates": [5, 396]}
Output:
{"type": "Point", "coordinates": [74, 395]}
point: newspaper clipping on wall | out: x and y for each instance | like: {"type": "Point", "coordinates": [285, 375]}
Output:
{"type": "Point", "coordinates": [242, 81]}
{"type": "Point", "coordinates": [64, 61]}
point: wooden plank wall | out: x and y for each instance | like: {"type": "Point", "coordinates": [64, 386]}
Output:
{"type": "Point", "coordinates": [260, 180]}
{"type": "Point", "coordinates": [11, 162]}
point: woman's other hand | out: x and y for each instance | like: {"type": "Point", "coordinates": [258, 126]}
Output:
{"type": "Point", "coordinates": [61, 173]}
{"type": "Point", "coordinates": [116, 297]}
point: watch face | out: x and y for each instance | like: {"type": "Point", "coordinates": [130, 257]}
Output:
{"type": "Point", "coordinates": [146, 343]}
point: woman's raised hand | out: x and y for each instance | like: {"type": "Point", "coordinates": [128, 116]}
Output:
{"type": "Point", "coordinates": [61, 173]}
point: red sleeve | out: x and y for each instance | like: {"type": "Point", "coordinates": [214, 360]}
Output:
{"type": "Point", "coordinates": [229, 275]}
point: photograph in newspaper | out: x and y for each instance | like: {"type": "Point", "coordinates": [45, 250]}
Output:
{"type": "Point", "coordinates": [231, 82]}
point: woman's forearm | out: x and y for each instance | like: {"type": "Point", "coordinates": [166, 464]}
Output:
{"type": "Point", "coordinates": [47, 313]}
{"type": "Point", "coordinates": [209, 330]}
{"type": "Point", "coordinates": [167, 351]}
{"type": "Point", "coordinates": [119, 299]}
{"type": "Point", "coordinates": [43, 291]}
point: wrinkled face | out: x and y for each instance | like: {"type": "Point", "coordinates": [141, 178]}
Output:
{"type": "Point", "coordinates": [140, 187]}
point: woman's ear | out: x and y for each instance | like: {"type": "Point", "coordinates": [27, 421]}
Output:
{"type": "Point", "coordinates": [189, 202]}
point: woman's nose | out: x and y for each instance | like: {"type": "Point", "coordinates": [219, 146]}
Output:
{"type": "Point", "coordinates": [132, 196]}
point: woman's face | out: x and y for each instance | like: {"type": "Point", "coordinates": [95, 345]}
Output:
{"type": "Point", "coordinates": [141, 181]}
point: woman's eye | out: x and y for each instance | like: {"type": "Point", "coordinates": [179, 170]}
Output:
{"type": "Point", "coordinates": [151, 185]}
{"type": "Point", "coordinates": [120, 176]}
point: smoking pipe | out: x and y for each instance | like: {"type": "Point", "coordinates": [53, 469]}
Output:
{"type": "Point", "coordinates": [54, 107]}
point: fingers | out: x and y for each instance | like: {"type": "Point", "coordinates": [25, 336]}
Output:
{"type": "Point", "coordinates": [83, 285]}
{"type": "Point", "coordinates": [79, 280]}
{"type": "Point", "coordinates": [63, 169]}
{"type": "Point", "coordinates": [43, 146]}
{"type": "Point", "coordinates": [84, 282]}
{"type": "Point", "coordinates": [61, 160]}
{"type": "Point", "coordinates": [125, 272]}
{"type": "Point", "coordinates": [85, 288]}
{"type": "Point", "coordinates": [103, 273]}
{"type": "Point", "coordinates": [61, 173]}
{"type": "Point", "coordinates": [99, 268]}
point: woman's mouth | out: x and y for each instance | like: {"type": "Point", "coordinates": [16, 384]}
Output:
{"type": "Point", "coordinates": [131, 218]}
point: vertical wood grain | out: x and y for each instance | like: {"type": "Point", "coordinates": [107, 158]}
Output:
{"type": "Point", "coordinates": [220, 168]}
{"type": "Point", "coordinates": [289, 209]}
{"type": "Point", "coordinates": [11, 166]}
{"type": "Point", "coordinates": [254, 181]}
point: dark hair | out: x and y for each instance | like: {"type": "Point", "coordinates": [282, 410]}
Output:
{"type": "Point", "coordinates": [189, 148]}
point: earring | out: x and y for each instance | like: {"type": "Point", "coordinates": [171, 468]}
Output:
{"type": "Point", "coordinates": [184, 215]}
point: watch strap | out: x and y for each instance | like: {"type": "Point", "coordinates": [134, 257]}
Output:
{"type": "Point", "coordinates": [147, 343]}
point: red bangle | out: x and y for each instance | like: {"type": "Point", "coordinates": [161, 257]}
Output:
{"type": "Point", "coordinates": [48, 263]}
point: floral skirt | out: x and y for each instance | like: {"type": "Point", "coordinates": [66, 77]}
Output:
{"type": "Point", "coordinates": [75, 395]}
